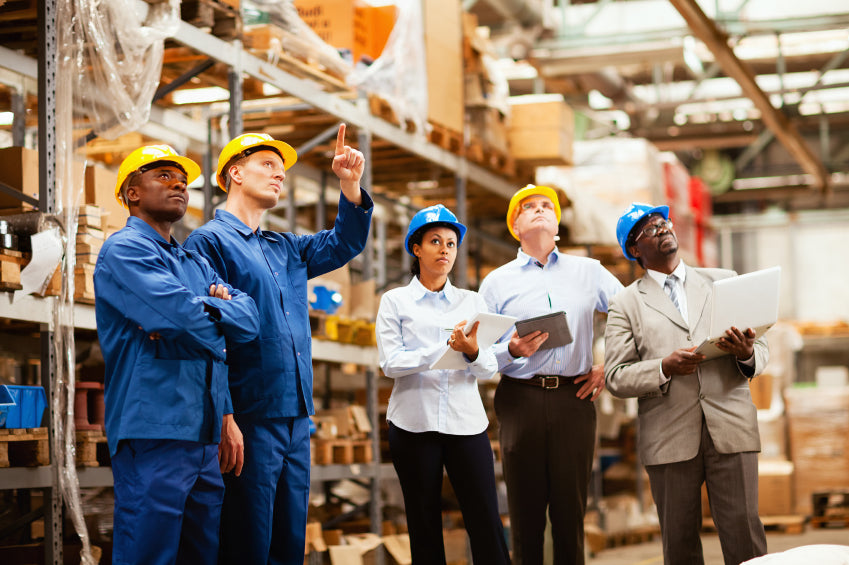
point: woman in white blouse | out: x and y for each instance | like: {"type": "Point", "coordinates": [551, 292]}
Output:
{"type": "Point", "coordinates": [436, 417]}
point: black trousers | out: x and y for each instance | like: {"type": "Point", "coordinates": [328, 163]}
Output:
{"type": "Point", "coordinates": [419, 459]}
{"type": "Point", "coordinates": [547, 443]}
{"type": "Point", "coordinates": [732, 486]}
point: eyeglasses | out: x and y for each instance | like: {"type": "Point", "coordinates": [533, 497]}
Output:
{"type": "Point", "coordinates": [653, 229]}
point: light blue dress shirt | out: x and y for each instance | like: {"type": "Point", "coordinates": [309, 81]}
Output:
{"type": "Point", "coordinates": [413, 326]}
{"type": "Point", "coordinates": [524, 288]}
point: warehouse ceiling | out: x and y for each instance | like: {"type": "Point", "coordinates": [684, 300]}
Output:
{"type": "Point", "coordinates": [751, 94]}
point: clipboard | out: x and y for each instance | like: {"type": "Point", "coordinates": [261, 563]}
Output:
{"type": "Point", "coordinates": [554, 324]}
{"type": "Point", "coordinates": [492, 327]}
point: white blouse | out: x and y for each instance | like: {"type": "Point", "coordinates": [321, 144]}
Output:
{"type": "Point", "coordinates": [413, 326]}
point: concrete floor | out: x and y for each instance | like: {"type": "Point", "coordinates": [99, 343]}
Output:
{"type": "Point", "coordinates": [651, 553]}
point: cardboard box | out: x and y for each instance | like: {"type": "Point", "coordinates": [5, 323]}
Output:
{"type": "Point", "coordinates": [398, 546]}
{"type": "Point", "coordinates": [760, 387]}
{"type": "Point", "coordinates": [775, 488]}
{"type": "Point", "coordinates": [346, 24]}
{"type": "Point", "coordinates": [489, 127]}
{"type": "Point", "coordinates": [541, 147]}
{"type": "Point", "coordinates": [100, 191]}
{"type": "Point", "coordinates": [818, 423]}
{"type": "Point", "coordinates": [443, 30]}
{"type": "Point", "coordinates": [773, 432]}
{"type": "Point", "coordinates": [372, 27]}
{"type": "Point", "coordinates": [18, 170]}
{"type": "Point", "coordinates": [331, 20]}
{"type": "Point", "coordinates": [541, 130]}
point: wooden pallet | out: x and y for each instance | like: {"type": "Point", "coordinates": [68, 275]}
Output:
{"type": "Point", "coordinates": [220, 17]}
{"type": "Point", "coordinates": [381, 108]}
{"type": "Point", "coordinates": [835, 521]}
{"type": "Point", "coordinates": [787, 524]}
{"type": "Point", "coordinates": [447, 139]}
{"type": "Point", "coordinates": [341, 451]}
{"type": "Point", "coordinates": [599, 540]}
{"type": "Point", "coordinates": [24, 448]}
{"type": "Point", "coordinates": [92, 449]}
{"type": "Point", "coordinates": [11, 263]}
{"type": "Point", "coordinates": [297, 56]}
{"type": "Point", "coordinates": [491, 158]}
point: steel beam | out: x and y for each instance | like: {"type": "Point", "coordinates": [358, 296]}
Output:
{"type": "Point", "coordinates": [717, 41]}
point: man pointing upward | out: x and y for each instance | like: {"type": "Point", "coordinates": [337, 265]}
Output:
{"type": "Point", "coordinates": [265, 500]}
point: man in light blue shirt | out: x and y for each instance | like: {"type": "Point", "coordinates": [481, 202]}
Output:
{"type": "Point", "coordinates": [544, 401]}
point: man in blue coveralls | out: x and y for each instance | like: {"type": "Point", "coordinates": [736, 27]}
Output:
{"type": "Point", "coordinates": [163, 316]}
{"type": "Point", "coordinates": [265, 501]}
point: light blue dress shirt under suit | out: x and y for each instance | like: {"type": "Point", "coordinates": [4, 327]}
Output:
{"type": "Point", "coordinates": [525, 289]}
{"type": "Point", "coordinates": [413, 326]}
{"type": "Point", "coordinates": [174, 387]}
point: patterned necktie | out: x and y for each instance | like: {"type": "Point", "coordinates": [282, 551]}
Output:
{"type": "Point", "coordinates": [671, 288]}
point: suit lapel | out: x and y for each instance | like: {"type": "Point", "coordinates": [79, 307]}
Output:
{"type": "Point", "coordinates": [656, 298]}
{"type": "Point", "coordinates": [698, 290]}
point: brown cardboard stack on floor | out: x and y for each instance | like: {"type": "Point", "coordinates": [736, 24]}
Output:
{"type": "Point", "coordinates": [818, 422]}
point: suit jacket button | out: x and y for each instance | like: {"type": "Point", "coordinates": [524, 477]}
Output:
{"type": "Point", "coordinates": [702, 396]}
{"type": "Point", "coordinates": [689, 338]}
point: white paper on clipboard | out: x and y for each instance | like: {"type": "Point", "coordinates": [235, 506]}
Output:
{"type": "Point", "coordinates": [492, 327]}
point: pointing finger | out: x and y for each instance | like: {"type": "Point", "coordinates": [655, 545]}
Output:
{"type": "Point", "coordinates": [340, 140]}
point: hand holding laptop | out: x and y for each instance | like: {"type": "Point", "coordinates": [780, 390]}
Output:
{"type": "Point", "coordinates": [740, 343]}
{"type": "Point", "coordinates": [745, 302]}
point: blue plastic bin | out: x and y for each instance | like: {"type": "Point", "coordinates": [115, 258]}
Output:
{"type": "Point", "coordinates": [26, 407]}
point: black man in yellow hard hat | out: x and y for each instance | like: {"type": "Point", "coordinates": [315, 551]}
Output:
{"type": "Point", "coordinates": [163, 316]}
{"type": "Point", "coordinates": [265, 502]}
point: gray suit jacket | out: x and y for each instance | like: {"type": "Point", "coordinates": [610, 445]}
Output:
{"type": "Point", "coordinates": [643, 327]}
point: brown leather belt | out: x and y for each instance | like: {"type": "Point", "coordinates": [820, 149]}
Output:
{"type": "Point", "coordinates": [548, 382]}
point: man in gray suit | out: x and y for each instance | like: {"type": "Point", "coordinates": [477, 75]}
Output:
{"type": "Point", "coordinates": [697, 421]}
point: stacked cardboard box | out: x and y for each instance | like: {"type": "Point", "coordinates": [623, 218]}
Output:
{"type": "Point", "coordinates": [541, 130]}
{"type": "Point", "coordinates": [487, 111]}
{"type": "Point", "coordinates": [818, 421]}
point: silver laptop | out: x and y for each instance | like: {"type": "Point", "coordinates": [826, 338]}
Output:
{"type": "Point", "coordinates": [744, 301]}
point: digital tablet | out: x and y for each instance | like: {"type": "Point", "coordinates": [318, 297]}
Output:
{"type": "Point", "coordinates": [553, 324]}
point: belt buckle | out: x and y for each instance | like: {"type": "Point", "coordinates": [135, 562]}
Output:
{"type": "Point", "coordinates": [555, 382]}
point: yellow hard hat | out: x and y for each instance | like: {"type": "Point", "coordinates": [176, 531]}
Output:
{"type": "Point", "coordinates": [151, 154]}
{"type": "Point", "coordinates": [246, 141]}
{"type": "Point", "coordinates": [521, 194]}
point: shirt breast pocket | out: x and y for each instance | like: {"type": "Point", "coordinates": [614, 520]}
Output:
{"type": "Point", "coordinates": [297, 280]}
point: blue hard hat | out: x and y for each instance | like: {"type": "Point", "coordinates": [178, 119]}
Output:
{"type": "Point", "coordinates": [436, 214]}
{"type": "Point", "coordinates": [635, 212]}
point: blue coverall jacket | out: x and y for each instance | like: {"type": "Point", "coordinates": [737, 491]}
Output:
{"type": "Point", "coordinates": [271, 376]}
{"type": "Point", "coordinates": [173, 387]}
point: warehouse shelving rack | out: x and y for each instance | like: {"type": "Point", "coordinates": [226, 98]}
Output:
{"type": "Point", "coordinates": [164, 122]}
